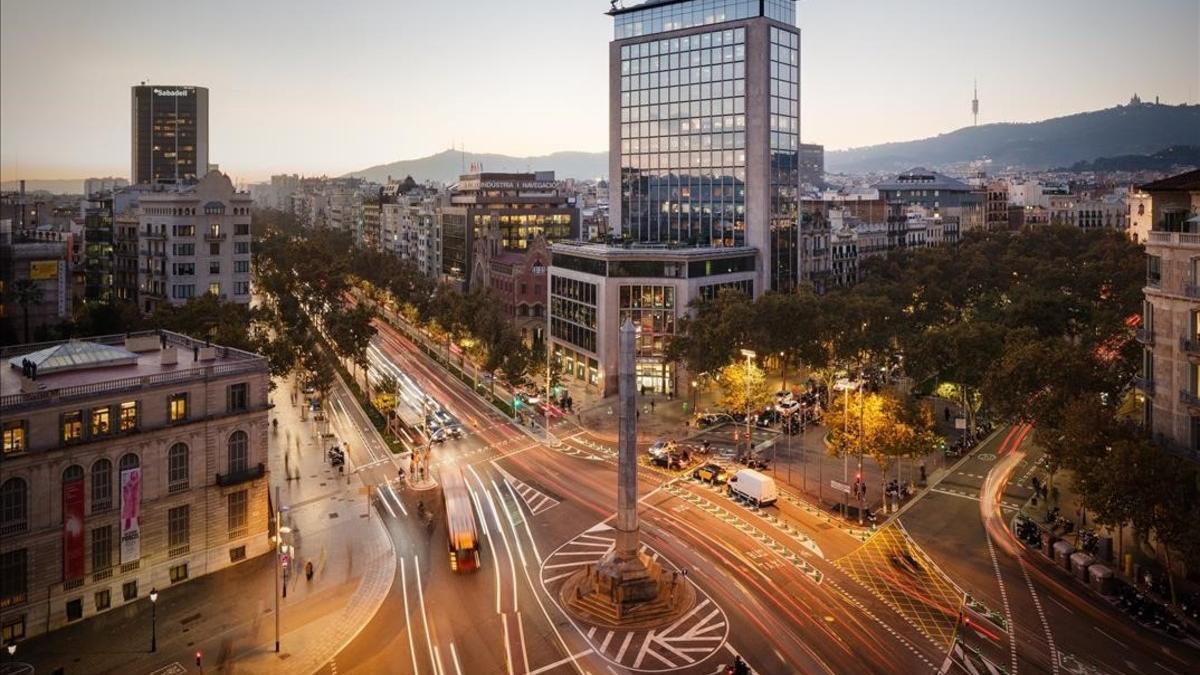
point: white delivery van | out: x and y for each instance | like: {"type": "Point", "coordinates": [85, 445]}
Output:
{"type": "Point", "coordinates": [751, 485]}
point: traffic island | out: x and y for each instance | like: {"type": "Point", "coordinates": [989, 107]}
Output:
{"type": "Point", "coordinates": [627, 592]}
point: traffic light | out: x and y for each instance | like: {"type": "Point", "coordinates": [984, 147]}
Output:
{"type": "Point", "coordinates": [199, 662]}
{"type": "Point", "coordinates": [517, 403]}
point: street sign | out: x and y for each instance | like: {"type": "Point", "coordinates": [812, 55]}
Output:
{"type": "Point", "coordinates": [840, 486]}
{"type": "Point", "coordinates": [960, 423]}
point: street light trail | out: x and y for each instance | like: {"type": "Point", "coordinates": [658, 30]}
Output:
{"type": "Point", "coordinates": [425, 617]}
{"type": "Point", "coordinates": [412, 648]}
{"type": "Point", "coordinates": [512, 565]}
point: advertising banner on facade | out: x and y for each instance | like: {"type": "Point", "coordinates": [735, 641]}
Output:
{"type": "Point", "coordinates": [43, 270]}
{"type": "Point", "coordinates": [72, 496]}
{"type": "Point", "coordinates": [131, 510]}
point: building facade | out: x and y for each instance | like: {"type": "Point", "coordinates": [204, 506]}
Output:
{"type": "Point", "coordinates": [35, 280]}
{"type": "Point", "coordinates": [812, 165]}
{"type": "Point", "coordinates": [505, 212]}
{"type": "Point", "coordinates": [704, 128]}
{"type": "Point", "coordinates": [704, 181]}
{"type": "Point", "coordinates": [130, 462]}
{"type": "Point", "coordinates": [593, 287]}
{"type": "Point", "coordinates": [1170, 333]}
{"type": "Point", "coordinates": [170, 133]}
{"type": "Point", "coordinates": [194, 239]}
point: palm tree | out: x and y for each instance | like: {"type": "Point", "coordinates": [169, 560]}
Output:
{"type": "Point", "coordinates": [28, 293]}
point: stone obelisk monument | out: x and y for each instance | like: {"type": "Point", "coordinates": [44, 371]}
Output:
{"type": "Point", "coordinates": [627, 587]}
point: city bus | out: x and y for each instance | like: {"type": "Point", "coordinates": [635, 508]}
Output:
{"type": "Point", "coordinates": [461, 532]}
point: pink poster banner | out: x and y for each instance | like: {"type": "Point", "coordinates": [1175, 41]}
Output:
{"type": "Point", "coordinates": [131, 511]}
{"type": "Point", "coordinates": [72, 495]}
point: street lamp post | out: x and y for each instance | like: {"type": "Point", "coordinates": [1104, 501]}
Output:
{"type": "Point", "coordinates": [153, 620]}
{"type": "Point", "coordinates": [12, 651]}
{"type": "Point", "coordinates": [695, 394]}
{"type": "Point", "coordinates": [749, 354]}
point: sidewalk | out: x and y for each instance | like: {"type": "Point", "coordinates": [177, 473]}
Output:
{"type": "Point", "coordinates": [229, 616]}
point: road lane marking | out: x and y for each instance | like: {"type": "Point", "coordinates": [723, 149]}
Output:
{"type": "Point", "coordinates": [1037, 604]}
{"type": "Point", "coordinates": [1101, 631]}
{"type": "Point", "coordinates": [454, 656]}
{"type": "Point", "coordinates": [412, 649]}
{"type": "Point", "coordinates": [1056, 601]}
{"type": "Point", "coordinates": [525, 522]}
{"type": "Point", "coordinates": [1012, 627]}
{"type": "Point", "coordinates": [395, 496]}
{"type": "Point", "coordinates": [383, 500]}
{"type": "Point", "coordinates": [524, 650]}
{"type": "Point", "coordinates": [424, 616]}
{"type": "Point", "coordinates": [507, 645]}
{"type": "Point", "coordinates": [513, 525]}
{"type": "Point", "coordinates": [503, 534]}
{"type": "Point", "coordinates": [559, 662]}
{"type": "Point", "coordinates": [624, 646]}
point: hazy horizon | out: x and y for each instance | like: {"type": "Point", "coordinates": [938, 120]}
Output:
{"type": "Point", "coordinates": [309, 87]}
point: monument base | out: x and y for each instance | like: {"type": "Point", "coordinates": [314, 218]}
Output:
{"type": "Point", "coordinates": [627, 592]}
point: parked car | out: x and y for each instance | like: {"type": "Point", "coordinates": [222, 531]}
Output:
{"type": "Point", "coordinates": [754, 487]}
{"type": "Point", "coordinates": [711, 473]}
{"type": "Point", "coordinates": [710, 419]}
{"type": "Point", "coordinates": [659, 447]}
{"type": "Point", "coordinates": [671, 459]}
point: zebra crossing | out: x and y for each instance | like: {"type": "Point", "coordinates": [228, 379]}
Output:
{"type": "Point", "coordinates": [689, 640]}
{"type": "Point", "coordinates": [971, 661]}
{"type": "Point", "coordinates": [535, 500]}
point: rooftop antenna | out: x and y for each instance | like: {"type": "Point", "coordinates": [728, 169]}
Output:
{"type": "Point", "coordinates": [975, 104]}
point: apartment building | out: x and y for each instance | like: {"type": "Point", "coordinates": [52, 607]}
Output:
{"type": "Point", "coordinates": [194, 239]}
{"type": "Point", "coordinates": [131, 462]}
{"type": "Point", "coordinates": [1170, 333]}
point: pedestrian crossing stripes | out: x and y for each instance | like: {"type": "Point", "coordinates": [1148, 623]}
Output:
{"type": "Point", "coordinates": [689, 640]}
{"type": "Point", "coordinates": [534, 499]}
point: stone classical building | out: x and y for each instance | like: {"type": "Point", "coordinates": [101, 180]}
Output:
{"type": "Point", "coordinates": [192, 240]}
{"type": "Point", "coordinates": [129, 463]}
{"type": "Point", "coordinates": [1170, 333]}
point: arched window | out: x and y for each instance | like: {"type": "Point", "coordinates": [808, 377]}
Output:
{"type": "Point", "coordinates": [13, 495]}
{"type": "Point", "coordinates": [239, 451]}
{"type": "Point", "coordinates": [101, 485]}
{"type": "Point", "coordinates": [73, 472]}
{"type": "Point", "coordinates": [128, 461]}
{"type": "Point", "coordinates": [177, 468]}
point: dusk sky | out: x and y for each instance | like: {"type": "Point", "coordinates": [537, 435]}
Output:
{"type": "Point", "coordinates": [330, 87]}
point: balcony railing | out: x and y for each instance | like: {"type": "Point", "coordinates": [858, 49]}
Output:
{"type": "Point", "coordinates": [1189, 346]}
{"type": "Point", "coordinates": [1145, 384]}
{"type": "Point", "coordinates": [1189, 399]}
{"type": "Point", "coordinates": [210, 236]}
{"type": "Point", "coordinates": [1175, 238]}
{"type": "Point", "coordinates": [244, 476]}
{"type": "Point", "coordinates": [1145, 336]}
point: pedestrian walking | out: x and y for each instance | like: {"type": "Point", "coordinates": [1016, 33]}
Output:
{"type": "Point", "coordinates": [651, 406]}
{"type": "Point", "coordinates": [308, 570]}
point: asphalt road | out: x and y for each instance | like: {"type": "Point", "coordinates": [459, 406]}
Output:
{"type": "Point", "coordinates": [766, 585]}
{"type": "Point", "coordinates": [1058, 627]}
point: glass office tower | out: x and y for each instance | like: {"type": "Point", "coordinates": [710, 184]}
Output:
{"type": "Point", "coordinates": [704, 128]}
{"type": "Point", "coordinates": [170, 133]}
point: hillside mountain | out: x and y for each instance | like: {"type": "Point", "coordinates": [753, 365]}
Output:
{"type": "Point", "coordinates": [1175, 159]}
{"type": "Point", "coordinates": [448, 165]}
{"type": "Point", "coordinates": [58, 186]}
{"type": "Point", "coordinates": [1135, 129]}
